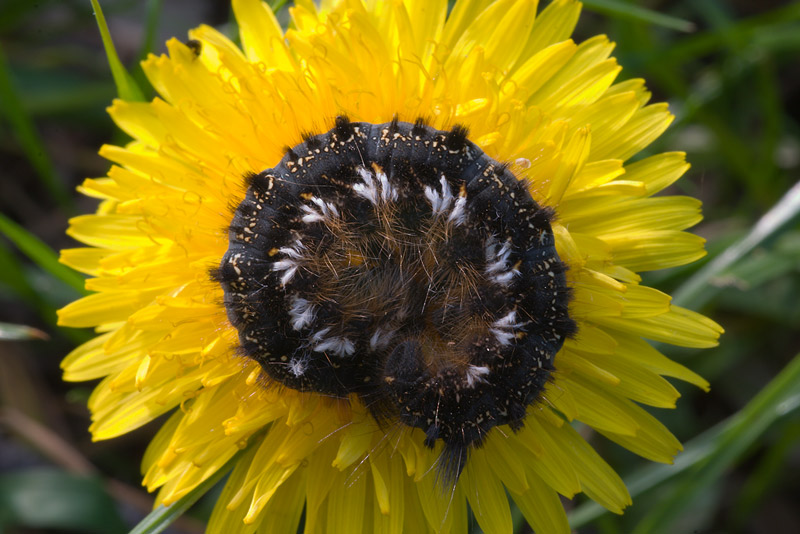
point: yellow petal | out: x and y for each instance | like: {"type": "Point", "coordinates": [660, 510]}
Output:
{"type": "Point", "coordinates": [226, 517]}
{"type": "Point", "coordinates": [598, 480]}
{"type": "Point", "coordinates": [261, 34]}
{"type": "Point", "coordinates": [85, 260]}
{"type": "Point", "coordinates": [462, 15]}
{"type": "Point", "coordinates": [634, 215]}
{"type": "Point", "coordinates": [679, 326]}
{"type": "Point", "coordinates": [550, 463]}
{"type": "Point", "coordinates": [282, 514]}
{"type": "Point", "coordinates": [597, 408]}
{"type": "Point", "coordinates": [632, 350]}
{"type": "Point", "coordinates": [652, 440]}
{"type": "Point", "coordinates": [554, 24]}
{"type": "Point", "coordinates": [659, 171]}
{"type": "Point", "coordinates": [636, 382]}
{"type": "Point", "coordinates": [506, 462]}
{"type": "Point", "coordinates": [486, 495]}
{"type": "Point", "coordinates": [104, 307]}
{"type": "Point", "coordinates": [655, 249]}
{"type": "Point", "coordinates": [644, 127]}
{"type": "Point", "coordinates": [542, 508]}
{"type": "Point", "coordinates": [346, 506]}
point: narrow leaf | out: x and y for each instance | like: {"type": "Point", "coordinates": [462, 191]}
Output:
{"type": "Point", "coordinates": [28, 137]}
{"type": "Point", "coordinates": [635, 12]}
{"type": "Point", "coordinates": [779, 397]}
{"type": "Point", "coordinates": [707, 456]}
{"type": "Point", "coordinates": [41, 254]}
{"type": "Point", "coordinates": [701, 287]}
{"type": "Point", "coordinates": [127, 89]}
{"type": "Point", "coordinates": [18, 332]}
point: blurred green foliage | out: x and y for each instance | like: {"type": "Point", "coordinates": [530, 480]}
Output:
{"type": "Point", "coordinates": [729, 70]}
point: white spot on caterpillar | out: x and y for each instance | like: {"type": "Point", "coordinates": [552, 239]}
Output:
{"type": "Point", "coordinates": [290, 264]}
{"type": "Point", "coordinates": [497, 268]}
{"type": "Point", "coordinates": [506, 277]}
{"type": "Point", "coordinates": [374, 190]}
{"type": "Point", "coordinates": [293, 252]}
{"type": "Point", "coordinates": [440, 202]}
{"type": "Point", "coordinates": [496, 260]}
{"type": "Point", "coordinates": [508, 320]}
{"type": "Point", "coordinates": [234, 262]}
{"type": "Point", "coordinates": [298, 366]}
{"type": "Point", "coordinates": [504, 328]}
{"type": "Point", "coordinates": [475, 374]}
{"type": "Point", "coordinates": [302, 312]}
{"type": "Point", "coordinates": [387, 191]}
{"type": "Point", "coordinates": [311, 216]}
{"type": "Point", "coordinates": [368, 189]}
{"type": "Point", "coordinates": [459, 214]}
{"type": "Point", "coordinates": [380, 338]}
{"type": "Point", "coordinates": [340, 346]}
{"type": "Point", "coordinates": [542, 237]}
{"type": "Point", "coordinates": [326, 211]}
{"type": "Point", "coordinates": [317, 337]}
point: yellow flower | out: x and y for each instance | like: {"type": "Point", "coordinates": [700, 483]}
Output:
{"type": "Point", "coordinates": [348, 456]}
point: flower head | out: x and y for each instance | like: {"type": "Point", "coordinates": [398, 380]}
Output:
{"type": "Point", "coordinates": [394, 250]}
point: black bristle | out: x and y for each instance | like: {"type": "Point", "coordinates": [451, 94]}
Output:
{"type": "Point", "coordinates": [259, 183]}
{"type": "Point", "coordinates": [312, 141]}
{"type": "Point", "coordinates": [394, 125]}
{"type": "Point", "coordinates": [289, 151]}
{"type": "Point", "coordinates": [431, 435]}
{"type": "Point", "coordinates": [451, 463]}
{"type": "Point", "coordinates": [215, 274]}
{"type": "Point", "coordinates": [545, 214]}
{"type": "Point", "coordinates": [343, 126]}
{"type": "Point", "coordinates": [419, 126]}
{"type": "Point", "coordinates": [457, 137]}
{"type": "Point", "coordinates": [232, 208]}
{"type": "Point", "coordinates": [249, 178]}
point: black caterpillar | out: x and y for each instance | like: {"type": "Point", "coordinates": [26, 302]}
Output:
{"type": "Point", "coordinates": [400, 263]}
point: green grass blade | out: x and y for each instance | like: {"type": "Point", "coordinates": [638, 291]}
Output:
{"type": "Point", "coordinates": [701, 287]}
{"type": "Point", "coordinates": [127, 89]}
{"type": "Point", "coordinates": [651, 476]}
{"type": "Point", "coordinates": [705, 457]}
{"type": "Point", "coordinates": [152, 18]}
{"type": "Point", "coordinates": [151, 25]}
{"type": "Point", "coordinates": [276, 5]}
{"type": "Point", "coordinates": [41, 254]}
{"type": "Point", "coordinates": [19, 332]}
{"type": "Point", "coordinates": [765, 30]}
{"type": "Point", "coordinates": [25, 131]}
{"type": "Point", "coordinates": [638, 13]}
{"type": "Point", "coordinates": [766, 474]}
{"type": "Point", "coordinates": [14, 280]}
{"type": "Point", "coordinates": [780, 396]}
{"type": "Point", "coordinates": [160, 518]}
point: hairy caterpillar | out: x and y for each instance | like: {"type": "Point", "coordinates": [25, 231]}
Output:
{"type": "Point", "coordinates": [400, 263]}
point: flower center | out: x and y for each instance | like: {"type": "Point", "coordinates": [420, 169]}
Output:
{"type": "Point", "coordinates": [402, 264]}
